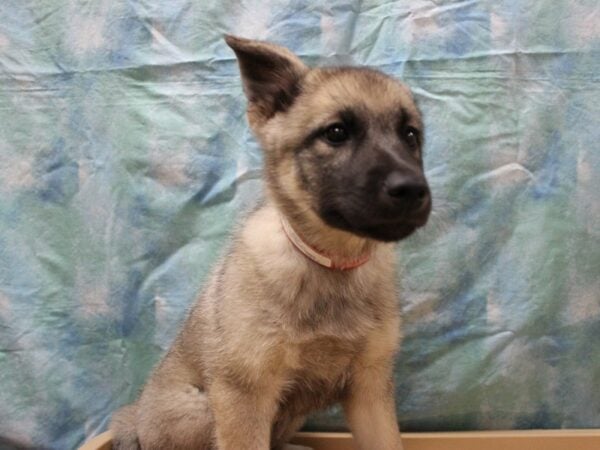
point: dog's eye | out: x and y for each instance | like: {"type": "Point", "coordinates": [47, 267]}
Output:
{"type": "Point", "coordinates": [412, 137]}
{"type": "Point", "coordinates": [336, 134]}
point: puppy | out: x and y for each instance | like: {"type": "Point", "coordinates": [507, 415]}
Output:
{"type": "Point", "coordinates": [302, 311]}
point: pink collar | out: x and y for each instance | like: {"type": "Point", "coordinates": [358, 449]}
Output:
{"type": "Point", "coordinates": [318, 256]}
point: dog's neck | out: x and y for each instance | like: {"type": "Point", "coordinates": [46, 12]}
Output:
{"type": "Point", "coordinates": [326, 246]}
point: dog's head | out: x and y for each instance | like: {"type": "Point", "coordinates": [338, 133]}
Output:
{"type": "Point", "coordinates": [342, 145]}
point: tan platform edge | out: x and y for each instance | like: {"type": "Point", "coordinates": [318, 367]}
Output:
{"type": "Point", "coordinates": [472, 440]}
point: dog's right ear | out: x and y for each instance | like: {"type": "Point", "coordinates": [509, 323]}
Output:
{"type": "Point", "coordinates": [271, 76]}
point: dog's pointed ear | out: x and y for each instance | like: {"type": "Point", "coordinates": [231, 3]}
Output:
{"type": "Point", "coordinates": [271, 76]}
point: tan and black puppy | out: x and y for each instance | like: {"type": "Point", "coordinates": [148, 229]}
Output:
{"type": "Point", "coordinates": [302, 311]}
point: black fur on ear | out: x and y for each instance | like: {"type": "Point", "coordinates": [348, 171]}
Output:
{"type": "Point", "coordinates": [271, 76]}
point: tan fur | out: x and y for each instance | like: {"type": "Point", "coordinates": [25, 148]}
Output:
{"type": "Point", "coordinates": [274, 337]}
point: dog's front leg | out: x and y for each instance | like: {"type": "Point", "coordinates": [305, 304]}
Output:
{"type": "Point", "coordinates": [243, 414]}
{"type": "Point", "coordinates": [370, 409]}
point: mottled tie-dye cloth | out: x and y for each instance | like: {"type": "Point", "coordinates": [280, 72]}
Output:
{"type": "Point", "coordinates": [125, 159]}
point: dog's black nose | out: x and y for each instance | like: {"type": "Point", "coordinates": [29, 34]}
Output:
{"type": "Point", "coordinates": [409, 189]}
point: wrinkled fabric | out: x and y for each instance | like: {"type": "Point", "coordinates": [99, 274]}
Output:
{"type": "Point", "coordinates": [125, 160]}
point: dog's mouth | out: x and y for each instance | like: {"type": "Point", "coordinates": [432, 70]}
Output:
{"type": "Point", "coordinates": [382, 230]}
{"type": "Point", "coordinates": [388, 232]}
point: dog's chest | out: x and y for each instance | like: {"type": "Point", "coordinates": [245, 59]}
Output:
{"type": "Point", "coordinates": [318, 372]}
{"type": "Point", "coordinates": [343, 308]}
{"type": "Point", "coordinates": [323, 357]}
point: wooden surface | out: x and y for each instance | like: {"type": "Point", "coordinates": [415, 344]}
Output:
{"type": "Point", "coordinates": [472, 440]}
{"type": "Point", "coordinates": [100, 442]}
{"type": "Point", "coordinates": [484, 440]}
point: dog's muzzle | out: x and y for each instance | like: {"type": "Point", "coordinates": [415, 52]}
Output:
{"type": "Point", "coordinates": [406, 197]}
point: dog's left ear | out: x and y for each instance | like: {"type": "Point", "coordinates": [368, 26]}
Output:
{"type": "Point", "coordinates": [271, 75]}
